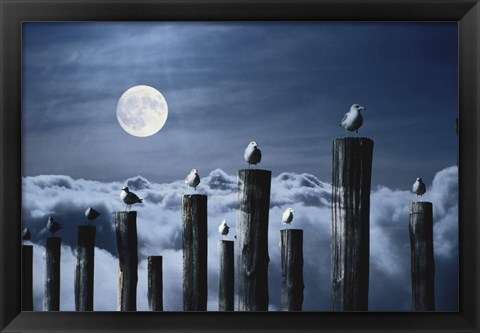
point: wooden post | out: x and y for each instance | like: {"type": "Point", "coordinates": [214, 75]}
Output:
{"type": "Point", "coordinates": [252, 239]}
{"type": "Point", "coordinates": [126, 229]}
{"type": "Point", "coordinates": [422, 259]}
{"type": "Point", "coordinates": [292, 269]}
{"type": "Point", "coordinates": [351, 178]}
{"type": "Point", "coordinates": [84, 268]}
{"type": "Point", "coordinates": [194, 213]}
{"type": "Point", "coordinates": [155, 283]}
{"type": "Point", "coordinates": [225, 275]}
{"type": "Point", "coordinates": [51, 291]}
{"type": "Point", "coordinates": [27, 278]}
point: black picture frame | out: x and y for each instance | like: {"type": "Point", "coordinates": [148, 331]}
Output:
{"type": "Point", "coordinates": [14, 12]}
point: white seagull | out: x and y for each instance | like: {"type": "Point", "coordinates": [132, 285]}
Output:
{"type": "Point", "coordinates": [287, 216]}
{"type": "Point", "coordinates": [193, 179]}
{"type": "Point", "coordinates": [129, 198]}
{"type": "Point", "coordinates": [223, 228]}
{"type": "Point", "coordinates": [26, 234]}
{"type": "Point", "coordinates": [252, 154]}
{"type": "Point", "coordinates": [419, 187]}
{"type": "Point", "coordinates": [53, 226]}
{"type": "Point", "coordinates": [91, 214]}
{"type": "Point", "coordinates": [352, 120]}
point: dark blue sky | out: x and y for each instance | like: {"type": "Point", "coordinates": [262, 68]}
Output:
{"type": "Point", "coordinates": [284, 85]}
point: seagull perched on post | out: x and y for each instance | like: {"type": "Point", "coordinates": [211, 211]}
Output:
{"type": "Point", "coordinates": [129, 198]}
{"type": "Point", "coordinates": [223, 228]}
{"type": "Point", "coordinates": [91, 214]}
{"type": "Point", "coordinates": [287, 216]}
{"type": "Point", "coordinates": [53, 226]}
{"type": "Point", "coordinates": [352, 120]}
{"type": "Point", "coordinates": [193, 179]}
{"type": "Point", "coordinates": [419, 187]}
{"type": "Point", "coordinates": [252, 154]}
{"type": "Point", "coordinates": [26, 235]}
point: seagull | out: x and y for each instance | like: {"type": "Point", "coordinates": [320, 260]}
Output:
{"type": "Point", "coordinates": [223, 228]}
{"type": "Point", "coordinates": [419, 187]}
{"type": "Point", "coordinates": [287, 216]}
{"type": "Point", "coordinates": [252, 154]}
{"type": "Point", "coordinates": [352, 120]}
{"type": "Point", "coordinates": [26, 235]}
{"type": "Point", "coordinates": [193, 179]}
{"type": "Point", "coordinates": [129, 198]}
{"type": "Point", "coordinates": [53, 226]}
{"type": "Point", "coordinates": [91, 214]}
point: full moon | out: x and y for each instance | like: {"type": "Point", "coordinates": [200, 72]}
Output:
{"type": "Point", "coordinates": [142, 111]}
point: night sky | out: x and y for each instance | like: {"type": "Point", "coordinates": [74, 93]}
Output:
{"type": "Point", "coordinates": [284, 85]}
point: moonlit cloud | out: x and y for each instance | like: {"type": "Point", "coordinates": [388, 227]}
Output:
{"type": "Point", "coordinates": [160, 233]}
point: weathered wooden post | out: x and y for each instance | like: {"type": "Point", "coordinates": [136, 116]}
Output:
{"type": "Point", "coordinates": [422, 259]}
{"type": "Point", "coordinates": [84, 268]}
{"type": "Point", "coordinates": [194, 214]}
{"type": "Point", "coordinates": [155, 283]}
{"type": "Point", "coordinates": [225, 275]}
{"type": "Point", "coordinates": [291, 243]}
{"type": "Point", "coordinates": [27, 277]}
{"type": "Point", "coordinates": [126, 230]}
{"type": "Point", "coordinates": [351, 179]}
{"type": "Point", "coordinates": [51, 291]}
{"type": "Point", "coordinates": [252, 239]}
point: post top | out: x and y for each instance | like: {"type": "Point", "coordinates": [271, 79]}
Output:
{"type": "Point", "coordinates": [420, 206]}
{"type": "Point", "coordinates": [292, 231]}
{"type": "Point", "coordinates": [155, 257]}
{"type": "Point", "coordinates": [228, 241]}
{"type": "Point", "coordinates": [254, 171]}
{"type": "Point", "coordinates": [353, 138]}
{"type": "Point", "coordinates": [195, 195]}
{"type": "Point", "coordinates": [131, 212]}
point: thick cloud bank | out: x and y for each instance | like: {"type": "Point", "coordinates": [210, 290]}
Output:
{"type": "Point", "coordinates": [160, 233]}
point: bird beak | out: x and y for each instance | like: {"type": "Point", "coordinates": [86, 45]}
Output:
{"type": "Point", "coordinates": [363, 108]}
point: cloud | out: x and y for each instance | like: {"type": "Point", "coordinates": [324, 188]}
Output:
{"type": "Point", "coordinates": [159, 228]}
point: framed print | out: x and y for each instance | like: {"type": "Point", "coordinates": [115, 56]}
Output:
{"type": "Point", "coordinates": [239, 165]}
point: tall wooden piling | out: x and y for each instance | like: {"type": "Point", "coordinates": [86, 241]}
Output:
{"type": "Point", "coordinates": [422, 258]}
{"type": "Point", "coordinates": [252, 239]}
{"type": "Point", "coordinates": [126, 230]}
{"type": "Point", "coordinates": [291, 243]}
{"type": "Point", "coordinates": [84, 268]}
{"type": "Point", "coordinates": [51, 291]}
{"type": "Point", "coordinates": [27, 278]}
{"type": "Point", "coordinates": [155, 283]}
{"type": "Point", "coordinates": [194, 214]}
{"type": "Point", "coordinates": [351, 179]}
{"type": "Point", "coordinates": [225, 275]}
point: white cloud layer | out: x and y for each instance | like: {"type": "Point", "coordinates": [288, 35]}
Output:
{"type": "Point", "coordinates": [160, 233]}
